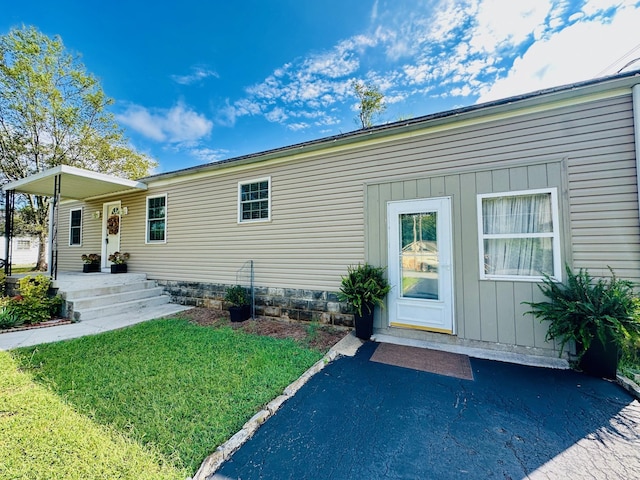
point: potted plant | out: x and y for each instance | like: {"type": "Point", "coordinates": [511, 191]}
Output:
{"type": "Point", "coordinates": [240, 308]}
{"type": "Point", "coordinates": [91, 262]}
{"type": "Point", "coordinates": [599, 316]}
{"type": "Point", "coordinates": [119, 262]}
{"type": "Point", "coordinates": [364, 287]}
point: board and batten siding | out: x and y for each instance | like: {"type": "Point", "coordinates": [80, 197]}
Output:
{"type": "Point", "coordinates": [319, 214]}
{"type": "Point", "coordinates": [485, 310]}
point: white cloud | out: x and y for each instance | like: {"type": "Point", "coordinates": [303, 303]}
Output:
{"type": "Point", "coordinates": [276, 115]}
{"type": "Point", "coordinates": [206, 155]}
{"type": "Point", "coordinates": [506, 22]}
{"type": "Point", "coordinates": [197, 74]}
{"type": "Point", "coordinates": [579, 52]}
{"type": "Point", "coordinates": [175, 125]}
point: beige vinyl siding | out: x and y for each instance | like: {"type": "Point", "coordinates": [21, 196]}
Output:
{"type": "Point", "coordinates": [318, 213]}
{"type": "Point", "coordinates": [604, 199]}
{"type": "Point", "coordinates": [69, 256]}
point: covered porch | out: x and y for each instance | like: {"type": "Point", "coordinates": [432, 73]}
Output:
{"type": "Point", "coordinates": [60, 183]}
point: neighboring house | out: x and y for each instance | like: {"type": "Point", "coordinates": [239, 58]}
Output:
{"type": "Point", "coordinates": [504, 192]}
{"type": "Point", "coordinates": [24, 250]}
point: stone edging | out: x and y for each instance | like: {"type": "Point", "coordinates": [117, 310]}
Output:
{"type": "Point", "coordinates": [228, 448]}
{"type": "Point", "coordinates": [629, 385]}
{"type": "Point", "coordinates": [46, 324]}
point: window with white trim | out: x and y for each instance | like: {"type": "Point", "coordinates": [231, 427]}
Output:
{"type": "Point", "coordinates": [254, 200]}
{"type": "Point", "coordinates": [519, 235]}
{"type": "Point", "coordinates": [75, 227]}
{"type": "Point", "coordinates": [157, 219]}
{"type": "Point", "coordinates": [22, 244]}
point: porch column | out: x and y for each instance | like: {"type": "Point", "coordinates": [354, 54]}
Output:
{"type": "Point", "coordinates": [9, 207]}
{"type": "Point", "coordinates": [53, 227]}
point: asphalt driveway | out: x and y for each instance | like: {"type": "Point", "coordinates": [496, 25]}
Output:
{"type": "Point", "coordinates": [359, 419]}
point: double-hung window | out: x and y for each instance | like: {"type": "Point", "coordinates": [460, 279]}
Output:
{"type": "Point", "coordinates": [254, 200]}
{"type": "Point", "coordinates": [157, 219]}
{"type": "Point", "coordinates": [75, 227]}
{"type": "Point", "coordinates": [519, 235]}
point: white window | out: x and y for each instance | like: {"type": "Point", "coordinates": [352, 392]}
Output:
{"type": "Point", "coordinates": [75, 227]}
{"type": "Point", "coordinates": [254, 200]}
{"type": "Point", "coordinates": [23, 244]}
{"type": "Point", "coordinates": [157, 219]}
{"type": "Point", "coordinates": [519, 235]}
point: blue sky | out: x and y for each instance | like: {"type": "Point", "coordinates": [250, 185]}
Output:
{"type": "Point", "coordinates": [200, 81]}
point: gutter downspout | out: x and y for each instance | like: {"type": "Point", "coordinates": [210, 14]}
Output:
{"type": "Point", "coordinates": [635, 93]}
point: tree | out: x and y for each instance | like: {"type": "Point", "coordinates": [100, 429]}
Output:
{"type": "Point", "coordinates": [52, 112]}
{"type": "Point", "coordinates": [371, 103]}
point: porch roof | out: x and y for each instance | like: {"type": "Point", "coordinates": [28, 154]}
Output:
{"type": "Point", "coordinates": [75, 183]}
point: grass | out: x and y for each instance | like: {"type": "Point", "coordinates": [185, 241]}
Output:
{"type": "Point", "coordinates": [171, 386]}
{"type": "Point", "coordinates": [630, 361]}
{"type": "Point", "coordinates": [43, 437]}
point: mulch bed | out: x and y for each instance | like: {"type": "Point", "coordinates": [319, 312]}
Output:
{"type": "Point", "coordinates": [319, 337]}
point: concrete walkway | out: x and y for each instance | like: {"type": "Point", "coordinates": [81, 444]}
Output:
{"type": "Point", "coordinates": [358, 419]}
{"type": "Point", "coordinates": [25, 338]}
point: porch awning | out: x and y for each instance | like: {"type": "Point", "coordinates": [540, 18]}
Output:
{"type": "Point", "coordinates": [75, 184]}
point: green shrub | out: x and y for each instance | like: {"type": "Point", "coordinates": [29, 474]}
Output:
{"type": "Point", "coordinates": [237, 295]}
{"type": "Point", "coordinates": [583, 308]}
{"type": "Point", "coordinates": [34, 287]}
{"type": "Point", "coordinates": [33, 305]}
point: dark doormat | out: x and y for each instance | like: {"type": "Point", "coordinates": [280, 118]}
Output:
{"type": "Point", "coordinates": [424, 359]}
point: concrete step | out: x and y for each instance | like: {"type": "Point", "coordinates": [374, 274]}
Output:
{"type": "Point", "coordinates": [98, 291]}
{"type": "Point", "coordinates": [113, 299]}
{"type": "Point", "coordinates": [68, 282]}
{"type": "Point", "coordinates": [133, 307]}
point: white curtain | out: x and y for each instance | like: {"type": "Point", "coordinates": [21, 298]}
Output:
{"type": "Point", "coordinates": [517, 220]}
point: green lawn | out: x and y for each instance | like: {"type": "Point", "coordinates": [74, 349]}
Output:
{"type": "Point", "coordinates": [45, 438]}
{"type": "Point", "coordinates": [168, 385]}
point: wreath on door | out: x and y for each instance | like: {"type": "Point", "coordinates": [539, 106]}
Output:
{"type": "Point", "coordinates": [113, 224]}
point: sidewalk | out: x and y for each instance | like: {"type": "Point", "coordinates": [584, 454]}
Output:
{"type": "Point", "coordinates": [35, 336]}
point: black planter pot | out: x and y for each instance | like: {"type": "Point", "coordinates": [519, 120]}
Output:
{"type": "Point", "coordinates": [119, 268]}
{"type": "Point", "coordinates": [601, 359]}
{"type": "Point", "coordinates": [90, 267]}
{"type": "Point", "coordinates": [364, 324]}
{"type": "Point", "coordinates": [240, 314]}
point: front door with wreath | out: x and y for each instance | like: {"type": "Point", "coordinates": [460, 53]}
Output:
{"type": "Point", "coordinates": [111, 230]}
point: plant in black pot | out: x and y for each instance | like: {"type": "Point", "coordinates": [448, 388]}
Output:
{"type": "Point", "coordinates": [91, 262]}
{"type": "Point", "coordinates": [364, 287]}
{"type": "Point", "coordinates": [600, 316]}
{"type": "Point", "coordinates": [119, 262]}
{"type": "Point", "coordinates": [238, 297]}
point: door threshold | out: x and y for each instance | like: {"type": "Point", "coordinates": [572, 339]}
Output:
{"type": "Point", "coordinates": [420, 327]}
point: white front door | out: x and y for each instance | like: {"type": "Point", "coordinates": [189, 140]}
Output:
{"type": "Point", "coordinates": [420, 264]}
{"type": "Point", "coordinates": [110, 231]}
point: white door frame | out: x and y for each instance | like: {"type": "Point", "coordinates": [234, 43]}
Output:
{"type": "Point", "coordinates": [105, 216]}
{"type": "Point", "coordinates": [418, 313]}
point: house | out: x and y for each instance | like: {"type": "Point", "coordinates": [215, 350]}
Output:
{"type": "Point", "coordinates": [494, 195]}
{"type": "Point", "coordinates": [24, 250]}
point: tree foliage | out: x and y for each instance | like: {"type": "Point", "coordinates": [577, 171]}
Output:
{"type": "Point", "coordinates": [371, 103]}
{"type": "Point", "coordinates": [52, 112]}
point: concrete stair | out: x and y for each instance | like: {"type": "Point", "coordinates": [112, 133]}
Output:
{"type": "Point", "coordinates": [95, 296]}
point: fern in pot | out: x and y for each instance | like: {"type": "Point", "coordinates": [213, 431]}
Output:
{"type": "Point", "coordinates": [599, 316]}
{"type": "Point", "coordinates": [363, 288]}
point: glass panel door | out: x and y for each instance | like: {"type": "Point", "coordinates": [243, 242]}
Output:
{"type": "Point", "coordinates": [419, 260]}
